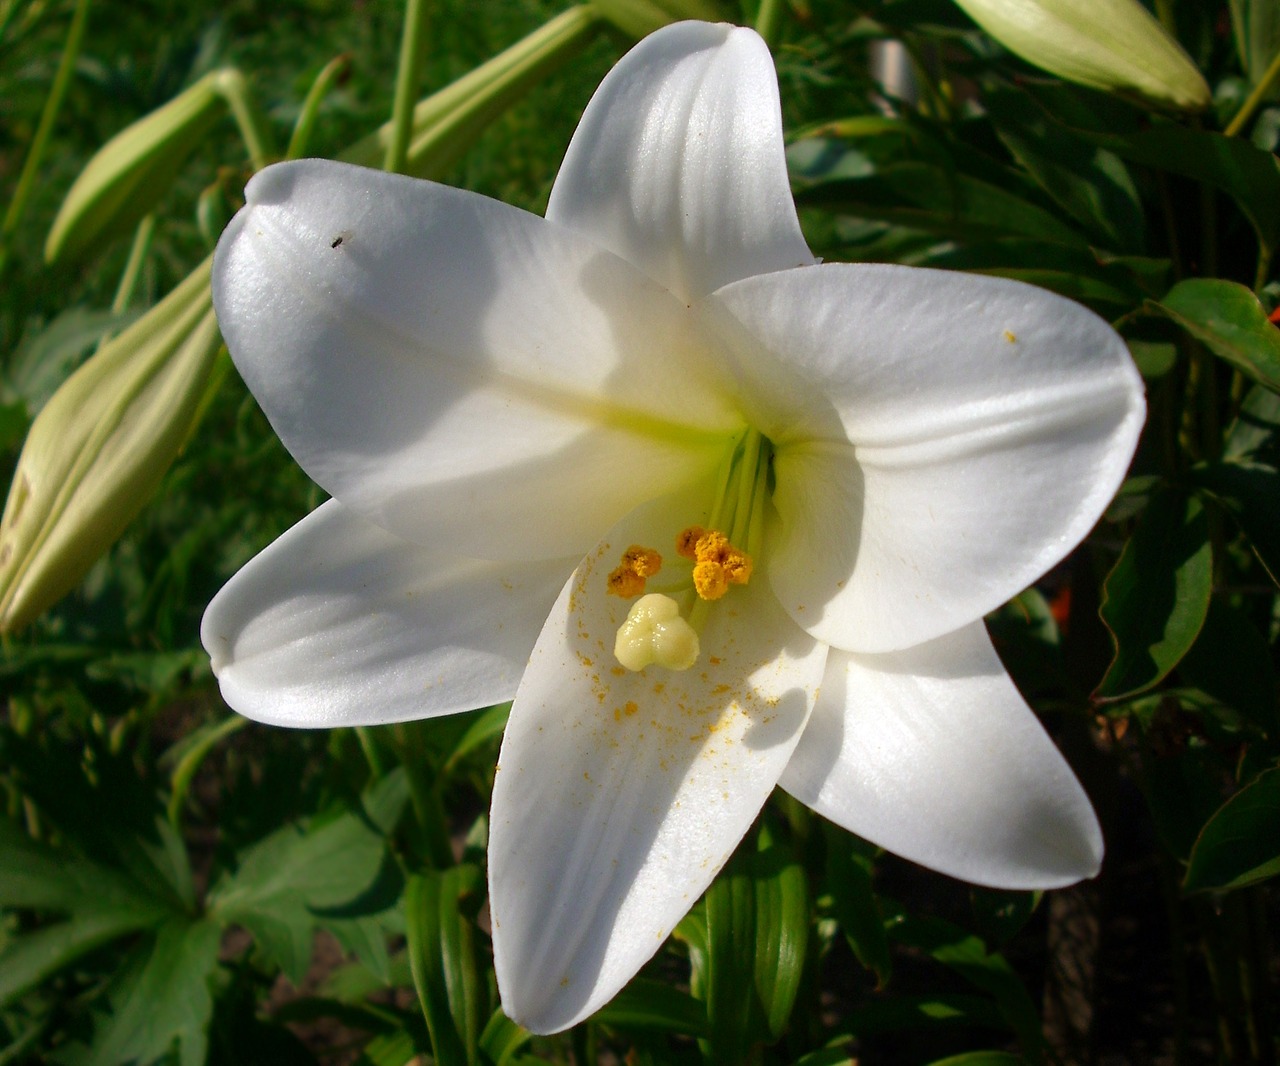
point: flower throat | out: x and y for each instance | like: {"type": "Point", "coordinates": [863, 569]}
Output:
{"type": "Point", "coordinates": [720, 555]}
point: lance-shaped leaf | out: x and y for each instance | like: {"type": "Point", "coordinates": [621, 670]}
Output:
{"type": "Point", "coordinates": [100, 446]}
{"type": "Point", "coordinates": [1239, 846]}
{"type": "Point", "coordinates": [1231, 323]}
{"type": "Point", "coordinates": [757, 931]}
{"type": "Point", "coordinates": [1156, 598]}
{"type": "Point", "coordinates": [440, 910]}
{"type": "Point", "coordinates": [1251, 494]}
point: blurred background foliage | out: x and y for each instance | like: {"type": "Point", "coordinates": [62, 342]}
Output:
{"type": "Point", "coordinates": [179, 885]}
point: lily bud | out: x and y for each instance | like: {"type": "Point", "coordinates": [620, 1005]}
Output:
{"type": "Point", "coordinates": [639, 18]}
{"type": "Point", "coordinates": [100, 446]}
{"type": "Point", "coordinates": [129, 173]}
{"type": "Point", "coordinates": [1114, 45]}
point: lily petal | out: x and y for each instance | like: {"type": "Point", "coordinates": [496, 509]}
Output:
{"type": "Point", "coordinates": [341, 623]}
{"type": "Point", "coordinates": [932, 754]}
{"type": "Point", "coordinates": [619, 795]}
{"type": "Point", "coordinates": [990, 424]}
{"type": "Point", "coordinates": [678, 165]}
{"type": "Point", "coordinates": [454, 368]}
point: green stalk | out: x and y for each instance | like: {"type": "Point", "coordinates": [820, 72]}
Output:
{"type": "Point", "coordinates": [301, 138]}
{"type": "Point", "coordinates": [250, 121]}
{"type": "Point", "coordinates": [769, 21]}
{"type": "Point", "coordinates": [413, 46]}
{"type": "Point", "coordinates": [52, 105]}
{"type": "Point", "coordinates": [424, 795]}
{"type": "Point", "coordinates": [1250, 105]}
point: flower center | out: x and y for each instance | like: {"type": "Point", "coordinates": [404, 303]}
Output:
{"type": "Point", "coordinates": [719, 555]}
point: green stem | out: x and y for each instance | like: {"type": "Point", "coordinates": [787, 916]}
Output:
{"type": "Point", "coordinates": [369, 748]}
{"type": "Point", "coordinates": [52, 105]}
{"type": "Point", "coordinates": [301, 138]}
{"type": "Point", "coordinates": [769, 21]}
{"type": "Point", "coordinates": [413, 45]}
{"type": "Point", "coordinates": [1269, 78]}
{"type": "Point", "coordinates": [250, 121]}
{"type": "Point", "coordinates": [423, 794]}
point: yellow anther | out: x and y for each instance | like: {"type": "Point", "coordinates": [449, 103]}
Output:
{"type": "Point", "coordinates": [687, 542]}
{"type": "Point", "coordinates": [710, 579]}
{"type": "Point", "coordinates": [737, 566]}
{"type": "Point", "coordinates": [624, 582]}
{"type": "Point", "coordinates": [628, 577]}
{"type": "Point", "coordinates": [717, 563]}
{"type": "Point", "coordinates": [712, 546]}
{"type": "Point", "coordinates": [654, 632]}
{"type": "Point", "coordinates": [644, 561]}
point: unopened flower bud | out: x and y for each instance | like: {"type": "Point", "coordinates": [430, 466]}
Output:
{"type": "Point", "coordinates": [1114, 45]}
{"type": "Point", "coordinates": [99, 447]}
{"type": "Point", "coordinates": [131, 172]}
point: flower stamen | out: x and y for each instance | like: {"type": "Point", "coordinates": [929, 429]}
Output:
{"type": "Point", "coordinates": [627, 579]}
{"type": "Point", "coordinates": [717, 563]}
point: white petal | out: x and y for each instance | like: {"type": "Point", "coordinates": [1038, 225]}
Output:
{"type": "Point", "coordinates": [932, 754]}
{"type": "Point", "coordinates": [983, 423]}
{"type": "Point", "coordinates": [620, 795]}
{"type": "Point", "coordinates": [465, 374]}
{"type": "Point", "coordinates": [678, 165]}
{"type": "Point", "coordinates": [340, 623]}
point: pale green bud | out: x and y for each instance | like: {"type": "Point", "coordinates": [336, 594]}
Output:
{"type": "Point", "coordinates": [639, 18]}
{"type": "Point", "coordinates": [131, 172]}
{"type": "Point", "coordinates": [1114, 45]}
{"type": "Point", "coordinates": [99, 447]}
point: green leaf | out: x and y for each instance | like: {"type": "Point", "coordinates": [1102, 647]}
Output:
{"type": "Point", "coordinates": [1250, 492]}
{"type": "Point", "coordinates": [757, 932]}
{"type": "Point", "coordinates": [31, 958]}
{"type": "Point", "coordinates": [967, 956]}
{"type": "Point", "coordinates": [502, 1038]}
{"type": "Point", "coordinates": [42, 878]}
{"type": "Point", "coordinates": [1239, 845]}
{"type": "Point", "coordinates": [1254, 436]}
{"type": "Point", "coordinates": [654, 1006]}
{"type": "Point", "coordinates": [440, 907]}
{"type": "Point", "coordinates": [1087, 181]}
{"type": "Point", "coordinates": [1156, 598]}
{"type": "Point", "coordinates": [292, 880]}
{"type": "Point", "coordinates": [855, 904]}
{"type": "Point", "coordinates": [925, 197]}
{"type": "Point", "coordinates": [1228, 319]}
{"type": "Point", "coordinates": [1231, 661]}
{"type": "Point", "coordinates": [166, 1000]}
{"type": "Point", "coordinates": [919, 1012]}
{"type": "Point", "coordinates": [981, 1058]}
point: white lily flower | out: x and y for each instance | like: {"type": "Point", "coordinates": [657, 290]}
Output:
{"type": "Point", "coordinates": [504, 406]}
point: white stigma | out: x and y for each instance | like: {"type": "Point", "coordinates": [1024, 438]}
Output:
{"type": "Point", "coordinates": [654, 632]}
